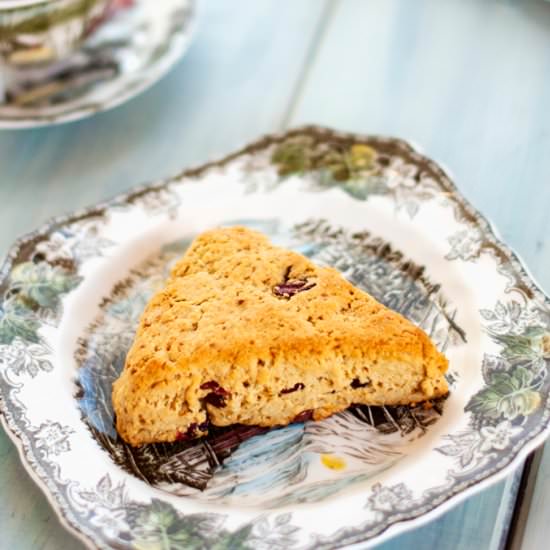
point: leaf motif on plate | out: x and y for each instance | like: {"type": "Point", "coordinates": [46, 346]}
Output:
{"type": "Point", "coordinates": [462, 446]}
{"type": "Point", "coordinates": [277, 534]}
{"type": "Point", "coordinates": [466, 245]}
{"type": "Point", "coordinates": [294, 155]}
{"type": "Point", "coordinates": [234, 540]}
{"type": "Point", "coordinates": [509, 317]}
{"type": "Point", "coordinates": [514, 378]}
{"type": "Point", "coordinates": [474, 447]}
{"type": "Point", "coordinates": [25, 358]}
{"type": "Point", "coordinates": [106, 494]}
{"type": "Point", "coordinates": [53, 438]}
{"type": "Point", "coordinates": [109, 494]}
{"type": "Point", "coordinates": [16, 321]}
{"type": "Point", "coordinates": [159, 525]}
{"type": "Point", "coordinates": [356, 168]}
{"type": "Point", "coordinates": [40, 284]}
{"type": "Point", "coordinates": [508, 395]}
{"type": "Point", "coordinates": [73, 244]}
{"type": "Point", "coordinates": [531, 346]}
{"type": "Point", "coordinates": [33, 297]}
{"type": "Point", "coordinates": [492, 364]}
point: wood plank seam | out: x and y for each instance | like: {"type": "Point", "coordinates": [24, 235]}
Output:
{"type": "Point", "coordinates": [323, 26]}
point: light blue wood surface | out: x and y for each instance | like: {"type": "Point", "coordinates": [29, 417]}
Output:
{"type": "Point", "coordinates": [537, 529]}
{"type": "Point", "coordinates": [468, 80]}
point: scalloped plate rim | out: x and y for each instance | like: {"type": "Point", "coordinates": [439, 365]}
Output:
{"type": "Point", "coordinates": [394, 528]}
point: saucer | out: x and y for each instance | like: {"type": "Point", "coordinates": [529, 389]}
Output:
{"type": "Point", "coordinates": [129, 53]}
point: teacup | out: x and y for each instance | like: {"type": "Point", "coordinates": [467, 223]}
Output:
{"type": "Point", "coordinates": [38, 32]}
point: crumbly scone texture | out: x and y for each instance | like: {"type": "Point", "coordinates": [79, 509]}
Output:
{"type": "Point", "coordinates": [245, 332]}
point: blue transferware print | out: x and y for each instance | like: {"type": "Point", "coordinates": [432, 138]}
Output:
{"type": "Point", "coordinates": [503, 408]}
{"type": "Point", "coordinates": [303, 462]}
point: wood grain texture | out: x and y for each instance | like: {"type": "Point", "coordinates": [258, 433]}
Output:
{"type": "Point", "coordinates": [234, 83]}
{"type": "Point", "coordinates": [480, 522]}
{"type": "Point", "coordinates": [474, 94]}
{"type": "Point", "coordinates": [469, 80]}
{"type": "Point", "coordinates": [537, 529]}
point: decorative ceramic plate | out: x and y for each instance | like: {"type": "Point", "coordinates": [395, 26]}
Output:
{"type": "Point", "coordinates": [393, 223]}
{"type": "Point", "coordinates": [122, 58]}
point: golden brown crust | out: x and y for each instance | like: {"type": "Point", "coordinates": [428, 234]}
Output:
{"type": "Point", "coordinates": [220, 324]}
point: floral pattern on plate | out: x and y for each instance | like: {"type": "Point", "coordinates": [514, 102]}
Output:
{"type": "Point", "coordinates": [392, 222]}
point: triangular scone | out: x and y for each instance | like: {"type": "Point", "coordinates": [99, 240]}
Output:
{"type": "Point", "coordinates": [248, 333]}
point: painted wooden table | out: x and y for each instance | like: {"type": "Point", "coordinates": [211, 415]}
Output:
{"type": "Point", "coordinates": [467, 80]}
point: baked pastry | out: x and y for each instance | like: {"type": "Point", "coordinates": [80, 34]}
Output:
{"type": "Point", "coordinates": [248, 333]}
